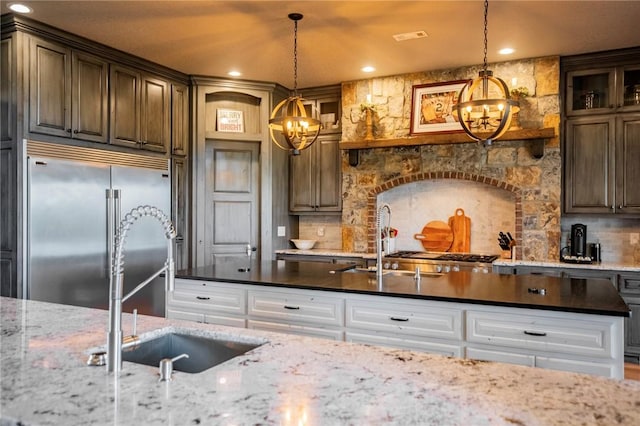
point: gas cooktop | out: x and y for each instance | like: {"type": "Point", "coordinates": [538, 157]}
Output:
{"type": "Point", "coordinates": [452, 257]}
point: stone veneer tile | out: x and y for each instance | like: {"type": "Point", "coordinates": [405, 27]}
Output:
{"type": "Point", "coordinates": [547, 75]}
{"type": "Point", "coordinates": [552, 120]}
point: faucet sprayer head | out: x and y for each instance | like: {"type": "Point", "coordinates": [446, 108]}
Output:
{"type": "Point", "coordinates": [129, 219]}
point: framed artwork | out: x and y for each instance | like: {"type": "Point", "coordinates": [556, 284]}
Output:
{"type": "Point", "coordinates": [433, 108]}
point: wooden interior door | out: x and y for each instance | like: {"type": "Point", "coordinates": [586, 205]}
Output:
{"type": "Point", "coordinates": [231, 205]}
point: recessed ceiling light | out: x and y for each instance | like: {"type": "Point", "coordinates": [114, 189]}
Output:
{"type": "Point", "coordinates": [368, 68]}
{"type": "Point", "coordinates": [235, 73]}
{"type": "Point", "coordinates": [20, 8]}
{"type": "Point", "coordinates": [506, 51]}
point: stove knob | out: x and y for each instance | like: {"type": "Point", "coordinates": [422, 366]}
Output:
{"type": "Point", "coordinates": [475, 269]}
{"type": "Point", "coordinates": [447, 268]}
{"type": "Point", "coordinates": [485, 270]}
{"type": "Point", "coordinates": [438, 268]}
{"type": "Point", "coordinates": [394, 265]}
{"type": "Point", "coordinates": [385, 265]}
{"type": "Point", "coordinates": [456, 268]}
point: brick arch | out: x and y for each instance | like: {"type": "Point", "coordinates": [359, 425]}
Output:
{"type": "Point", "coordinates": [392, 183]}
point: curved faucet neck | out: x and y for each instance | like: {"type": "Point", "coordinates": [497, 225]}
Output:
{"type": "Point", "coordinates": [116, 281]}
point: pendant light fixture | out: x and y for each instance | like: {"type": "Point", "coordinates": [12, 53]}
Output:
{"type": "Point", "coordinates": [289, 118]}
{"type": "Point", "coordinates": [484, 105]}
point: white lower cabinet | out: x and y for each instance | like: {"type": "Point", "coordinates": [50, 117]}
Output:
{"type": "Point", "coordinates": [501, 356]}
{"type": "Point", "coordinates": [548, 339]}
{"type": "Point", "coordinates": [294, 306]}
{"type": "Point", "coordinates": [292, 311]}
{"type": "Point", "coordinates": [413, 343]}
{"type": "Point", "coordinates": [405, 324]}
{"type": "Point", "coordinates": [556, 340]}
{"type": "Point", "coordinates": [579, 366]}
{"type": "Point", "coordinates": [304, 330]}
{"type": "Point", "coordinates": [209, 302]}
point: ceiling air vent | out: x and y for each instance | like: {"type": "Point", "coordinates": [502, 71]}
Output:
{"type": "Point", "coordinates": [410, 36]}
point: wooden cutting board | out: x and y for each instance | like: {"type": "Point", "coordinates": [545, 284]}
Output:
{"type": "Point", "coordinates": [436, 236]}
{"type": "Point", "coordinates": [461, 227]}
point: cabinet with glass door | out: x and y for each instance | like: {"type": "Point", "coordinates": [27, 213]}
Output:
{"type": "Point", "coordinates": [601, 144]}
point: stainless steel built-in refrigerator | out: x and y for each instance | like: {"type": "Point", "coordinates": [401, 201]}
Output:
{"type": "Point", "coordinates": [67, 232]}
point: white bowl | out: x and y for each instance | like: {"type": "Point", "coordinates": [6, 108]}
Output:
{"type": "Point", "coordinates": [304, 244]}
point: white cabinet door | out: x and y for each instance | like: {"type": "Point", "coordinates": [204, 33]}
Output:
{"type": "Point", "coordinates": [224, 320]}
{"type": "Point", "coordinates": [579, 366]}
{"type": "Point", "coordinates": [210, 302]}
{"type": "Point", "coordinates": [413, 343]}
{"type": "Point", "coordinates": [501, 356]}
{"type": "Point", "coordinates": [182, 315]}
{"type": "Point", "coordinates": [304, 330]}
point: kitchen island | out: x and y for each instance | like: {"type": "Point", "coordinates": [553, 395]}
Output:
{"type": "Point", "coordinates": [563, 324]}
{"type": "Point", "coordinates": [287, 380]}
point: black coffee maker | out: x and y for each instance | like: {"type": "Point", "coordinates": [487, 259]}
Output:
{"type": "Point", "coordinates": [579, 240]}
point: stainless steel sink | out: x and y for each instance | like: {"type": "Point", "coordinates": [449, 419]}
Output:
{"type": "Point", "coordinates": [204, 352]}
{"type": "Point", "coordinates": [393, 272]}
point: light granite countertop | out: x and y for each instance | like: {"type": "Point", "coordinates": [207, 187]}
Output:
{"type": "Point", "coordinates": [603, 266]}
{"type": "Point", "coordinates": [288, 380]}
{"type": "Point", "coordinates": [326, 252]}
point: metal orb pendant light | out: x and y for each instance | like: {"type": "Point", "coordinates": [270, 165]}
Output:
{"type": "Point", "coordinates": [290, 118]}
{"type": "Point", "coordinates": [484, 105]}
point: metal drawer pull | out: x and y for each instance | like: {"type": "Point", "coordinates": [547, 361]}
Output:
{"type": "Point", "coordinates": [294, 308]}
{"type": "Point", "coordinates": [202, 298]}
{"type": "Point", "coordinates": [534, 333]}
{"type": "Point", "coordinates": [399, 319]}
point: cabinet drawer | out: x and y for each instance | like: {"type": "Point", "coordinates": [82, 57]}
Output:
{"type": "Point", "coordinates": [209, 319]}
{"type": "Point", "coordinates": [561, 364]}
{"type": "Point", "coordinates": [181, 315]}
{"type": "Point", "coordinates": [207, 297]}
{"type": "Point", "coordinates": [413, 343]}
{"type": "Point", "coordinates": [587, 338]}
{"type": "Point", "coordinates": [629, 284]}
{"type": "Point", "coordinates": [579, 366]}
{"type": "Point", "coordinates": [439, 322]}
{"type": "Point", "coordinates": [324, 333]}
{"type": "Point", "coordinates": [501, 356]}
{"type": "Point", "coordinates": [296, 307]}
{"type": "Point", "coordinates": [222, 320]}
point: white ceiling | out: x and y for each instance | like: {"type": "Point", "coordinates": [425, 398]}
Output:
{"type": "Point", "coordinates": [337, 38]}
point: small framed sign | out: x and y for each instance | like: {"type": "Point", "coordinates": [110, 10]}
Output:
{"type": "Point", "coordinates": [433, 108]}
{"type": "Point", "coordinates": [229, 120]}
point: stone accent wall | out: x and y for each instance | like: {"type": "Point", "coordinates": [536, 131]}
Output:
{"type": "Point", "coordinates": [507, 164]}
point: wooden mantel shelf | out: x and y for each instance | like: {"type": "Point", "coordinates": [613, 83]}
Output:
{"type": "Point", "coordinates": [449, 138]}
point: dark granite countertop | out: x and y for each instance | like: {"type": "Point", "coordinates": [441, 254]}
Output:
{"type": "Point", "coordinates": [591, 296]}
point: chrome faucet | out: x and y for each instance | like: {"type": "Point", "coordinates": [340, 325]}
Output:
{"type": "Point", "coordinates": [379, 250]}
{"type": "Point", "coordinates": [116, 281]}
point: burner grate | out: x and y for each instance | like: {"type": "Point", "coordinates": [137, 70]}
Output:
{"type": "Point", "coordinates": [453, 257]}
{"type": "Point", "coordinates": [461, 257]}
